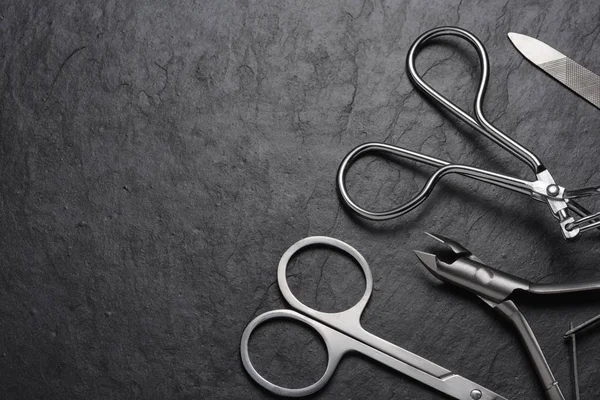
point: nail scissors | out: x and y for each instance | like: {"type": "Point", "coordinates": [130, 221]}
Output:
{"type": "Point", "coordinates": [343, 333]}
{"type": "Point", "coordinates": [494, 287]}
{"type": "Point", "coordinates": [543, 189]}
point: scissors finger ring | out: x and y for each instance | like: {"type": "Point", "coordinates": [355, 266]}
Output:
{"type": "Point", "coordinates": [343, 333]}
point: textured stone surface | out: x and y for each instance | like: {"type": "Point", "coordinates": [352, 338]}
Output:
{"type": "Point", "coordinates": [157, 158]}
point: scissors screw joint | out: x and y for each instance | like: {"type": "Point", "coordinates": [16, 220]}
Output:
{"type": "Point", "coordinates": [476, 394]}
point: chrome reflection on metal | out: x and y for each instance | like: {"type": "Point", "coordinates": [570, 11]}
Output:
{"type": "Point", "coordinates": [560, 200]}
{"type": "Point", "coordinates": [574, 368]}
{"type": "Point", "coordinates": [580, 80]}
{"type": "Point", "coordinates": [343, 333]}
{"type": "Point", "coordinates": [495, 287]}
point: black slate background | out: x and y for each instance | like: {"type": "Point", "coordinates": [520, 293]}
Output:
{"type": "Point", "coordinates": [157, 158]}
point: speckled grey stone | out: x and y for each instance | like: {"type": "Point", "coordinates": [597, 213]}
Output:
{"type": "Point", "coordinates": [157, 158]}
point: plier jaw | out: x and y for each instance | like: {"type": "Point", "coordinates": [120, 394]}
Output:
{"type": "Point", "coordinates": [490, 284]}
{"type": "Point", "coordinates": [469, 272]}
{"type": "Point", "coordinates": [494, 287]}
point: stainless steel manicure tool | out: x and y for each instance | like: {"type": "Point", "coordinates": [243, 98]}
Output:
{"type": "Point", "coordinates": [577, 78]}
{"type": "Point", "coordinates": [573, 341]}
{"type": "Point", "coordinates": [560, 200]}
{"type": "Point", "coordinates": [495, 287]}
{"type": "Point", "coordinates": [585, 325]}
{"type": "Point", "coordinates": [343, 333]}
{"type": "Point", "coordinates": [571, 335]}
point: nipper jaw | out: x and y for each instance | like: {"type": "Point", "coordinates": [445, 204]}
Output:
{"type": "Point", "coordinates": [494, 287]}
{"type": "Point", "coordinates": [469, 272]}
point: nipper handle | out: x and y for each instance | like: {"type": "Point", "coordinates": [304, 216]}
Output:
{"type": "Point", "coordinates": [510, 311]}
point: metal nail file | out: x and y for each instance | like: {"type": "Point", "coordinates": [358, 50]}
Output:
{"type": "Point", "coordinates": [577, 78]}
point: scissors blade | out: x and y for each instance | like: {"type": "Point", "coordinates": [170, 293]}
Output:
{"type": "Point", "coordinates": [420, 369]}
{"type": "Point", "coordinates": [459, 382]}
{"type": "Point", "coordinates": [577, 78]}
